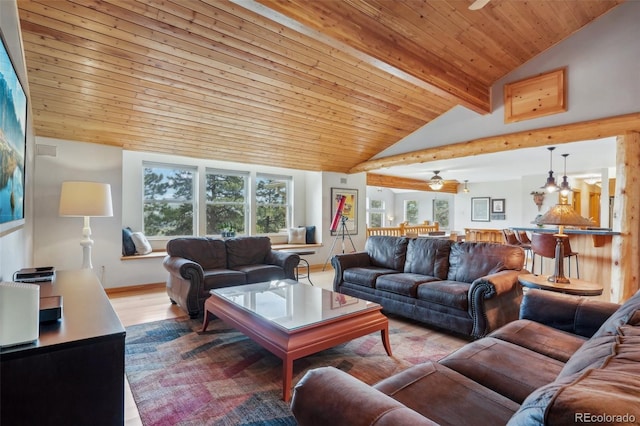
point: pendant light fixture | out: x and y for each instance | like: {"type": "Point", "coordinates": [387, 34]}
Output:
{"type": "Point", "coordinates": [565, 189]}
{"type": "Point", "coordinates": [550, 185]}
{"type": "Point", "coordinates": [466, 187]}
{"type": "Point", "coordinates": [436, 182]}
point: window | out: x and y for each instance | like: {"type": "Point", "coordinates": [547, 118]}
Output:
{"type": "Point", "coordinates": [226, 200]}
{"type": "Point", "coordinates": [411, 212]}
{"type": "Point", "coordinates": [169, 203]}
{"type": "Point", "coordinates": [375, 213]}
{"type": "Point", "coordinates": [273, 204]}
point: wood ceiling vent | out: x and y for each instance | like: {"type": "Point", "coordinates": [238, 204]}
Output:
{"type": "Point", "coordinates": [535, 97]}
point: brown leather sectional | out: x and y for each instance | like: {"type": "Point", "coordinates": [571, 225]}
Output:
{"type": "Point", "coordinates": [567, 361]}
{"type": "Point", "coordinates": [198, 264]}
{"type": "Point", "coordinates": [466, 287]}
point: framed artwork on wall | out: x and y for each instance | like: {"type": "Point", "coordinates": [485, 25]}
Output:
{"type": "Point", "coordinates": [497, 205]}
{"type": "Point", "coordinates": [441, 213]}
{"type": "Point", "coordinates": [480, 209]}
{"type": "Point", "coordinates": [13, 131]}
{"type": "Point", "coordinates": [344, 210]}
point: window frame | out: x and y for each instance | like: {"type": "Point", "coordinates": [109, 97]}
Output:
{"type": "Point", "coordinates": [288, 180]}
{"type": "Point", "coordinates": [246, 205]}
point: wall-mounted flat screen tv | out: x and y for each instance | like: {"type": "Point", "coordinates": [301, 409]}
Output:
{"type": "Point", "coordinates": [13, 124]}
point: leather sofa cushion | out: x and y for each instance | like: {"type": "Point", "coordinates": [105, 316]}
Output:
{"type": "Point", "coordinates": [428, 256]}
{"type": "Point", "coordinates": [421, 388]}
{"type": "Point", "coordinates": [387, 252]}
{"type": "Point", "coordinates": [218, 278]}
{"type": "Point", "coordinates": [447, 293]}
{"type": "Point", "coordinates": [365, 276]}
{"type": "Point", "coordinates": [209, 253]}
{"type": "Point", "coordinates": [404, 284]}
{"type": "Point", "coordinates": [470, 261]}
{"type": "Point", "coordinates": [540, 338]}
{"type": "Point", "coordinates": [247, 251]}
{"type": "Point", "coordinates": [610, 386]}
{"type": "Point", "coordinates": [260, 273]}
{"type": "Point", "coordinates": [503, 367]}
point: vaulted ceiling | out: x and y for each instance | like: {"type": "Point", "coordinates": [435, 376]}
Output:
{"type": "Point", "coordinates": [319, 85]}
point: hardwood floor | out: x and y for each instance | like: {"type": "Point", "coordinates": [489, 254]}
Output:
{"type": "Point", "coordinates": [141, 304]}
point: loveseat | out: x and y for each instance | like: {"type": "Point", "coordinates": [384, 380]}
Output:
{"type": "Point", "coordinates": [199, 264]}
{"type": "Point", "coordinates": [567, 361]}
{"type": "Point", "coordinates": [465, 287]}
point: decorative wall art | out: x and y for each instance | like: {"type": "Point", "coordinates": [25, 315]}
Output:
{"type": "Point", "coordinates": [480, 209]}
{"type": "Point", "coordinates": [349, 207]}
{"type": "Point", "coordinates": [13, 119]}
{"type": "Point", "coordinates": [441, 213]}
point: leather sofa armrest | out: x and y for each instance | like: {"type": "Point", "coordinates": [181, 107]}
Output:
{"type": "Point", "coordinates": [574, 314]}
{"type": "Point", "coordinates": [356, 403]}
{"type": "Point", "coordinates": [185, 283]}
{"type": "Point", "coordinates": [287, 261]}
{"type": "Point", "coordinates": [183, 268]}
{"type": "Point", "coordinates": [342, 262]}
{"type": "Point", "coordinates": [494, 300]}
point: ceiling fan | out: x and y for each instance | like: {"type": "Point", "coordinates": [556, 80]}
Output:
{"type": "Point", "coordinates": [478, 4]}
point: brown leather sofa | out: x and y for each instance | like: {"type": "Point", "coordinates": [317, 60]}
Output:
{"type": "Point", "coordinates": [568, 361]}
{"type": "Point", "coordinates": [466, 287]}
{"type": "Point", "coordinates": [199, 264]}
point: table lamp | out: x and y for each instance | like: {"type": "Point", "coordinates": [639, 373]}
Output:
{"type": "Point", "coordinates": [561, 215]}
{"type": "Point", "coordinates": [86, 199]}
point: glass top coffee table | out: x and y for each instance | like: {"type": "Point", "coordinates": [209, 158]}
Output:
{"type": "Point", "coordinates": [292, 320]}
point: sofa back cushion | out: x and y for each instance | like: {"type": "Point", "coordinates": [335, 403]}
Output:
{"type": "Point", "coordinates": [469, 261]}
{"type": "Point", "coordinates": [208, 252]}
{"type": "Point", "coordinates": [387, 252]}
{"type": "Point", "coordinates": [247, 251]}
{"type": "Point", "coordinates": [428, 256]}
{"type": "Point", "coordinates": [627, 313]}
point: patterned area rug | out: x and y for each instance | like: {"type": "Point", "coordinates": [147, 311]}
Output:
{"type": "Point", "coordinates": [180, 376]}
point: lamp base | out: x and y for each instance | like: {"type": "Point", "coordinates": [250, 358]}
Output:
{"type": "Point", "coordinates": [558, 279]}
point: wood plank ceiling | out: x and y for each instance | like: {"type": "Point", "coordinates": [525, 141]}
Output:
{"type": "Point", "coordinates": [312, 85]}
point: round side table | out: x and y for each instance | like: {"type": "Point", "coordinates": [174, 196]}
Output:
{"type": "Point", "coordinates": [576, 286]}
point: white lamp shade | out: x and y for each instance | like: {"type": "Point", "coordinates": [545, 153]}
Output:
{"type": "Point", "coordinates": [85, 199]}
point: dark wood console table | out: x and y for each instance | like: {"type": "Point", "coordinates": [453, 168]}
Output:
{"type": "Point", "coordinates": [74, 373]}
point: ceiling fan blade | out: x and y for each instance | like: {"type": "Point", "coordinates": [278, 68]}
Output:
{"type": "Point", "coordinates": [478, 4]}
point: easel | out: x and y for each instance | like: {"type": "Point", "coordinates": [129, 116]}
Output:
{"type": "Point", "coordinates": [341, 234]}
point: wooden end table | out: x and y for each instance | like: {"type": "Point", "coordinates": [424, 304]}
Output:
{"type": "Point", "coordinates": [293, 320]}
{"type": "Point", "coordinates": [576, 286]}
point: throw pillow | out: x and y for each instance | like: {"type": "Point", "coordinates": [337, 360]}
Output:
{"type": "Point", "coordinates": [310, 237]}
{"type": "Point", "coordinates": [297, 235]}
{"type": "Point", "coordinates": [141, 243]}
{"type": "Point", "coordinates": [128, 247]}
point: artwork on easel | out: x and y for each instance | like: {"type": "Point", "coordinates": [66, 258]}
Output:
{"type": "Point", "coordinates": [345, 200]}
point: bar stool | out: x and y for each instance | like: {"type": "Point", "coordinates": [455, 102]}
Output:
{"type": "Point", "coordinates": [544, 245]}
{"type": "Point", "coordinates": [511, 238]}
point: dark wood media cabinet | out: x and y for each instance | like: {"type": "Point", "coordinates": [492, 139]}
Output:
{"type": "Point", "coordinates": [74, 373]}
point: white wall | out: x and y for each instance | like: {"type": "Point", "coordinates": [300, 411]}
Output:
{"type": "Point", "coordinates": [16, 241]}
{"type": "Point", "coordinates": [57, 239]}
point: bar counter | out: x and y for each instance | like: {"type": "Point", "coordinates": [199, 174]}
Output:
{"type": "Point", "coordinates": [594, 247]}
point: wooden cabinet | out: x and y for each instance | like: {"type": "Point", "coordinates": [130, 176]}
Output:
{"type": "Point", "coordinates": [74, 373]}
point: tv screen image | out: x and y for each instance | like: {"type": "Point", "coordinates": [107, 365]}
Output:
{"type": "Point", "coordinates": [13, 119]}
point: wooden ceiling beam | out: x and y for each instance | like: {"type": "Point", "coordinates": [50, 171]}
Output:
{"type": "Point", "coordinates": [586, 130]}
{"type": "Point", "coordinates": [397, 182]}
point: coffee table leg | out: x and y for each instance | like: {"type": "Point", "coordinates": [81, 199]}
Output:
{"type": "Point", "coordinates": [205, 322]}
{"type": "Point", "coordinates": [385, 340]}
{"type": "Point", "coordinates": [287, 376]}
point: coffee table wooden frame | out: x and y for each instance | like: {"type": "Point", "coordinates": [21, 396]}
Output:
{"type": "Point", "coordinates": [290, 345]}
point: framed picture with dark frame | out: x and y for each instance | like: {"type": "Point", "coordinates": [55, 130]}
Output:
{"type": "Point", "coordinates": [497, 205]}
{"type": "Point", "coordinates": [349, 213]}
{"type": "Point", "coordinates": [480, 209]}
{"type": "Point", "coordinates": [13, 144]}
